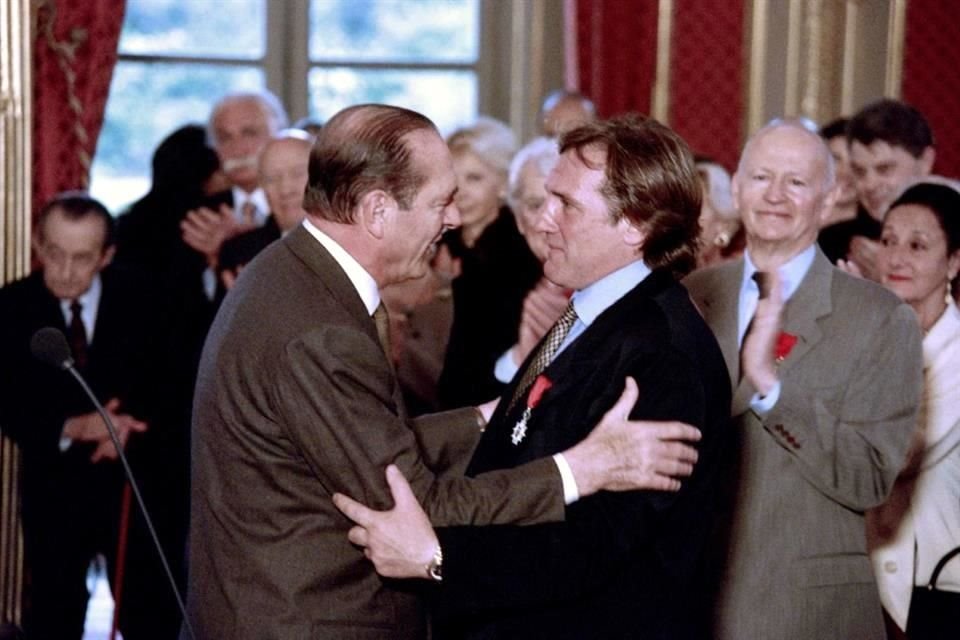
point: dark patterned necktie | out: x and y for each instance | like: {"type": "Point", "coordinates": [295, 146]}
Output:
{"type": "Point", "coordinates": [78, 335]}
{"type": "Point", "coordinates": [548, 349]}
{"type": "Point", "coordinates": [382, 319]}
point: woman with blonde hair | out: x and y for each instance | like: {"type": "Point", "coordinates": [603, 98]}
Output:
{"type": "Point", "coordinates": [496, 268]}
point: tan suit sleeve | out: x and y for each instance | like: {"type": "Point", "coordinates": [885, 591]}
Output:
{"type": "Point", "coordinates": [854, 452]}
{"type": "Point", "coordinates": [334, 395]}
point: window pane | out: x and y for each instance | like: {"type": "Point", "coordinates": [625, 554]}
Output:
{"type": "Point", "coordinates": [394, 30]}
{"type": "Point", "coordinates": [332, 89]}
{"type": "Point", "coordinates": [211, 28]}
{"type": "Point", "coordinates": [147, 102]}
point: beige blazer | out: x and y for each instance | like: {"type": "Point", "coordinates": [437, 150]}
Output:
{"type": "Point", "coordinates": [794, 560]}
{"type": "Point", "coordinates": [295, 401]}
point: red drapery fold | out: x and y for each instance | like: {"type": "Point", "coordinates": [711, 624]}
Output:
{"type": "Point", "coordinates": [75, 51]}
{"type": "Point", "coordinates": [615, 45]}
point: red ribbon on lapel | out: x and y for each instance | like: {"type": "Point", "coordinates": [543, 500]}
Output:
{"type": "Point", "coordinates": [785, 344]}
{"type": "Point", "coordinates": [539, 387]}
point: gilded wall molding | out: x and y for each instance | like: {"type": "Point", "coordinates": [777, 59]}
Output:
{"type": "Point", "coordinates": [756, 82]}
{"type": "Point", "coordinates": [896, 34]}
{"type": "Point", "coordinates": [15, 164]}
{"type": "Point", "coordinates": [660, 109]}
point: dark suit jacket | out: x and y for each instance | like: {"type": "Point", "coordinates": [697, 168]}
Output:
{"type": "Point", "coordinates": [496, 275]}
{"type": "Point", "coordinates": [70, 505]}
{"type": "Point", "coordinates": [242, 248]}
{"type": "Point", "coordinates": [296, 400]}
{"type": "Point", "coordinates": [829, 449]}
{"type": "Point", "coordinates": [621, 565]}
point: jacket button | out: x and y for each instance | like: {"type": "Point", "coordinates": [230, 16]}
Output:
{"type": "Point", "coordinates": [890, 566]}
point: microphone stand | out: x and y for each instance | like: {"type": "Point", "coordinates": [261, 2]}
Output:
{"type": "Point", "coordinates": [111, 429]}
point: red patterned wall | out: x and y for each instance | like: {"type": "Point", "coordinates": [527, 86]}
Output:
{"type": "Point", "coordinates": [931, 74]}
{"type": "Point", "coordinates": [616, 49]}
{"type": "Point", "coordinates": [707, 76]}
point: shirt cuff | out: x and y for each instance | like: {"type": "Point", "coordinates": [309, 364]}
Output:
{"type": "Point", "coordinates": [505, 368]}
{"type": "Point", "coordinates": [65, 441]}
{"type": "Point", "coordinates": [763, 404]}
{"type": "Point", "coordinates": [209, 283]}
{"type": "Point", "coordinates": [570, 491]}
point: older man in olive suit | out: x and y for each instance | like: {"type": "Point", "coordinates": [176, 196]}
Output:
{"type": "Point", "coordinates": [827, 384]}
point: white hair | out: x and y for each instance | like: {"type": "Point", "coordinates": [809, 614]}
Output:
{"type": "Point", "coordinates": [489, 138]}
{"type": "Point", "coordinates": [542, 152]}
{"type": "Point", "coordinates": [803, 125]}
{"type": "Point", "coordinates": [718, 189]}
{"type": "Point", "coordinates": [269, 103]}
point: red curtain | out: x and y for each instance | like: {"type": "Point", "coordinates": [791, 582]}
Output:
{"type": "Point", "coordinates": [707, 76]}
{"type": "Point", "coordinates": [931, 75]}
{"type": "Point", "coordinates": [75, 51]}
{"type": "Point", "coordinates": [615, 50]}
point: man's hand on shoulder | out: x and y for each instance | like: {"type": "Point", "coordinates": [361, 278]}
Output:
{"type": "Point", "coordinates": [623, 455]}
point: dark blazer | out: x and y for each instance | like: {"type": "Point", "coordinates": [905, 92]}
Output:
{"type": "Point", "coordinates": [242, 248]}
{"type": "Point", "coordinates": [496, 275]}
{"type": "Point", "coordinates": [797, 564]}
{"type": "Point", "coordinates": [621, 565]}
{"type": "Point", "coordinates": [296, 400]}
{"type": "Point", "coordinates": [70, 506]}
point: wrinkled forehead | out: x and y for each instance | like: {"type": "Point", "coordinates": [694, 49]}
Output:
{"type": "Point", "coordinates": [787, 148]}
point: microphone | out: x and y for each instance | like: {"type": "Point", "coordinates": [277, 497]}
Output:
{"type": "Point", "coordinates": [49, 346]}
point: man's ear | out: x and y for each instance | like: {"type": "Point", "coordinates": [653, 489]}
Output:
{"type": "Point", "coordinates": [107, 257]}
{"type": "Point", "coordinates": [926, 159]}
{"type": "Point", "coordinates": [829, 201]}
{"type": "Point", "coordinates": [633, 235]}
{"type": "Point", "coordinates": [373, 212]}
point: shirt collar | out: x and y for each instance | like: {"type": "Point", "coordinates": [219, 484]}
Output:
{"type": "Point", "coordinates": [89, 301]}
{"type": "Point", "coordinates": [362, 281]}
{"type": "Point", "coordinates": [595, 298]}
{"type": "Point", "coordinates": [257, 197]}
{"type": "Point", "coordinates": [791, 273]}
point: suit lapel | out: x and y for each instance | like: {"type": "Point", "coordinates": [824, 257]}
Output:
{"type": "Point", "coordinates": [809, 303]}
{"type": "Point", "coordinates": [331, 275]}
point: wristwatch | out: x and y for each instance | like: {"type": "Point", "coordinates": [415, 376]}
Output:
{"type": "Point", "coordinates": [435, 566]}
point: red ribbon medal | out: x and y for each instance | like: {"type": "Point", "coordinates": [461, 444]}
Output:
{"type": "Point", "coordinates": [539, 387]}
{"type": "Point", "coordinates": [785, 344]}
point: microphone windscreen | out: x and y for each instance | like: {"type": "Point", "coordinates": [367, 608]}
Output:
{"type": "Point", "coordinates": [49, 345]}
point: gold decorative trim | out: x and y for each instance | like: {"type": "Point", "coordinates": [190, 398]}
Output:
{"type": "Point", "coordinates": [757, 46]}
{"type": "Point", "coordinates": [660, 109]}
{"type": "Point", "coordinates": [66, 53]}
{"type": "Point", "coordinates": [896, 34]}
{"type": "Point", "coordinates": [791, 98]}
{"type": "Point", "coordinates": [15, 174]}
{"type": "Point", "coordinates": [851, 15]}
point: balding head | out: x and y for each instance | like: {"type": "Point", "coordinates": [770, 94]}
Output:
{"type": "Point", "coordinates": [563, 110]}
{"type": "Point", "coordinates": [362, 148]}
{"type": "Point", "coordinates": [283, 175]}
{"type": "Point", "coordinates": [784, 189]}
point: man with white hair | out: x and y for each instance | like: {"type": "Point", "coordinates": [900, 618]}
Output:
{"type": "Point", "coordinates": [240, 126]}
{"type": "Point", "coordinates": [827, 374]}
